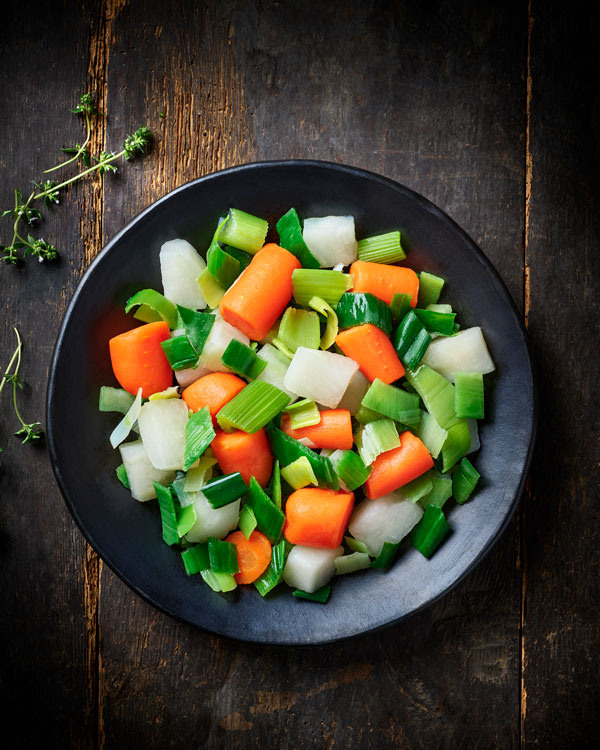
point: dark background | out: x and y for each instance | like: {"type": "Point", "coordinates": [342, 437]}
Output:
{"type": "Point", "coordinates": [492, 111]}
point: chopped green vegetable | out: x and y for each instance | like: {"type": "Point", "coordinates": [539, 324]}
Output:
{"type": "Point", "coordinates": [387, 556]}
{"type": "Point", "coordinates": [393, 402]}
{"type": "Point", "coordinates": [196, 559]}
{"type": "Point", "coordinates": [464, 481]}
{"type": "Point", "coordinates": [269, 517]}
{"type": "Point", "coordinates": [436, 322]}
{"type": "Point", "coordinates": [273, 575]}
{"type": "Point", "coordinates": [197, 477]}
{"type": "Point", "coordinates": [468, 395]}
{"type": "Point", "coordinates": [331, 327]}
{"type": "Point", "coordinates": [199, 434]}
{"type": "Point", "coordinates": [400, 305]}
{"type": "Point", "coordinates": [304, 413]}
{"type": "Point", "coordinates": [121, 472]}
{"type": "Point", "coordinates": [430, 288]}
{"type": "Point", "coordinates": [355, 545]}
{"type": "Point", "coordinates": [350, 468]}
{"type": "Point", "coordinates": [351, 563]}
{"type": "Point", "coordinates": [276, 484]}
{"type": "Point", "coordinates": [224, 490]}
{"type": "Point", "coordinates": [290, 238]}
{"type": "Point", "coordinates": [180, 353]}
{"type": "Point", "coordinates": [243, 360]}
{"type": "Point", "coordinates": [126, 424]}
{"type": "Point", "coordinates": [364, 415]}
{"type": "Point", "coordinates": [383, 248]}
{"type": "Point", "coordinates": [418, 488]}
{"type": "Point", "coordinates": [411, 340]}
{"type": "Point", "coordinates": [328, 285]}
{"type": "Point", "coordinates": [222, 266]}
{"type": "Point", "coordinates": [441, 490]}
{"type": "Point", "coordinates": [456, 444]}
{"type": "Point", "coordinates": [437, 394]}
{"type": "Point", "coordinates": [244, 231]}
{"type": "Point", "coordinates": [186, 518]}
{"type": "Point", "coordinates": [243, 258]}
{"type": "Point", "coordinates": [168, 514]}
{"type": "Point", "coordinates": [359, 308]}
{"type": "Point", "coordinates": [253, 407]}
{"type": "Point", "coordinates": [286, 449]}
{"type": "Point", "coordinates": [299, 473]}
{"type": "Point", "coordinates": [223, 556]}
{"type": "Point", "coordinates": [219, 582]}
{"type": "Point", "coordinates": [299, 328]}
{"type": "Point", "coordinates": [431, 434]}
{"type": "Point", "coordinates": [197, 326]}
{"type": "Point", "coordinates": [320, 595]}
{"type": "Point", "coordinates": [431, 531]}
{"type": "Point", "coordinates": [211, 290]}
{"type": "Point", "coordinates": [151, 307]}
{"type": "Point", "coordinates": [376, 438]}
{"type": "Point", "coordinates": [247, 522]}
{"type": "Point", "coordinates": [115, 399]}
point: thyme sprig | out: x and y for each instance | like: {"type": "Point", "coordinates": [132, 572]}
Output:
{"type": "Point", "coordinates": [28, 431]}
{"type": "Point", "coordinates": [49, 190]}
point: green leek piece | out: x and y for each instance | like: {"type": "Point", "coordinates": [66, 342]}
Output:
{"type": "Point", "coordinates": [196, 559]}
{"type": "Point", "coordinates": [431, 434]}
{"type": "Point", "coordinates": [468, 395]}
{"type": "Point", "coordinates": [280, 346]}
{"type": "Point", "coordinates": [275, 484]}
{"type": "Point", "coordinates": [430, 288]}
{"type": "Point", "coordinates": [224, 490]}
{"type": "Point", "coordinates": [464, 481]}
{"type": "Point", "coordinates": [171, 392]}
{"type": "Point", "coordinates": [383, 248]}
{"type": "Point", "coordinates": [437, 394]}
{"type": "Point", "coordinates": [223, 556]}
{"type": "Point", "coordinates": [199, 434]}
{"type": "Point", "coordinates": [179, 352]}
{"type": "Point", "coordinates": [199, 475]}
{"type": "Point", "coordinates": [411, 340]}
{"type": "Point", "coordinates": [365, 415]}
{"type": "Point", "coordinates": [211, 290]}
{"type": "Point", "coordinates": [331, 326]}
{"type": "Point", "coordinates": [400, 305]}
{"type": "Point", "coordinates": [290, 238]}
{"type": "Point", "coordinates": [326, 284]}
{"type": "Point", "coordinates": [244, 231]}
{"type": "Point", "coordinates": [418, 488]}
{"type": "Point", "coordinates": [431, 531]}
{"type": "Point", "coordinates": [168, 514]}
{"type": "Point", "coordinates": [351, 563]}
{"type": "Point", "coordinates": [304, 413]}
{"type": "Point", "coordinates": [436, 322]}
{"type": "Point", "coordinates": [252, 408]}
{"type": "Point", "coordinates": [376, 438]}
{"type": "Point", "coordinates": [299, 473]}
{"type": "Point", "coordinates": [178, 487]}
{"type": "Point", "coordinates": [358, 308]}
{"type": "Point", "coordinates": [219, 582]}
{"type": "Point", "coordinates": [456, 444]}
{"type": "Point", "coordinates": [273, 575]}
{"type": "Point", "coordinates": [445, 308]}
{"type": "Point", "coordinates": [128, 422]}
{"type": "Point", "coordinates": [242, 257]}
{"type": "Point", "coordinates": [269, 517]}
{"type": "Point", "coordinates": [299, 328]}
{"type": "Point", "coordinates": [387, 556]}
{"type": "Point", "coordinates": [197, 326]}
{"type": "Point", "coordinates": [122, 476]}
{"type": "Point", "coordinates": [151, 307]}
{"type": "Point", "coordinates": [286, 449]}
{"type": "Point", "coordinates": [350, 468]}
{"type": "Point", "coordinates": [186, 518]}
{"type": "Point", "coordinates": [115, 399]}
{"type": "Point", "coordinates": [247, 521]}
{"type": "Point", "coordinates": [441, 490]}
{"type": "Point", "coordinates": [393, 402]}
{"type": "Point", "coordinates": [222, 266]}
{"type": "Point", "coordinates": [320, 595]}
{"type": "Point", "coordinates": [243, 360]}
{"type": "Point", "coordinates": [355, 545]}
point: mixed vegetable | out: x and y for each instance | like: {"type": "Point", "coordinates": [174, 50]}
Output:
{"type": "Point", "coordinates": [325, 412]}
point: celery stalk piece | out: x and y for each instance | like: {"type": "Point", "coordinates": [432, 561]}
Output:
{"type": "Point", "coordinates": [431, 531]}
{"type": "Point", "coordinates": [196, 559]}
{"type": "Point", "coordinates": [299, 473]}
{"type": "Point", "coordinates": [464, 481]}
{"type": "Point", "coordinates": [124, 427]}
{"type": "Point", "coordinates": [242, 360]}
{"type": "Point", "coordinates": [252, 408]}
{"type": "Point", "coordinates": [326, 284]}
{"type": "Point", "coordinates": [290, 238]}
{"type": "Point", "coordinates": [376, 438]}
{"type": "Point", "coordinates": [350, 468]}
{"type": "Point", "coordinates": [382, 248]}
{"type": "Point", "coordinates": [430, 288]}
{"type": "Point", "coordinates": [468, 395]}
{"type": "Point", "coordinates": [115, 399]}
{"type": "Point", "coordinates": [244, 231]}
{"type": "Point", "coordinates": [223, 556]}
{"type": "Point", "coordinates": [299, 328]}
{"type": "Point", "coordinates": [393, 402]}
{"type": "Point", "coordinates": [331, 325]}
{"type": "Point", "coordinates": [199, 434]}
{"type": "Point", "coordinates": [210, 288]}
{"type": "Point", "coordinates": [247, 522]}
{"type": "Point", "coordinates": [303, 413]}
{"type": "Point", "coordinates": [152, 306]}
{"type": "Point", "coordinates": [359, 308]}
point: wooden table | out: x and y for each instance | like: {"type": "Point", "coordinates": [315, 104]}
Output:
{"type": "Point", "coordinates": [485, 108]}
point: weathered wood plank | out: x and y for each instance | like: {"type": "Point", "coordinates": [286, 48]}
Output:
{"type": "Point", "coordinates": [560, 626]}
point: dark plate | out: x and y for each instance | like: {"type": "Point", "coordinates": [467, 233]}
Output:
{"type": "Point", "coordinates": [127, 534]}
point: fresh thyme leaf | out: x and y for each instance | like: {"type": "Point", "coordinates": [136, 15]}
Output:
{"type": "Point", "coordinates": [28, 431]}
{"type": "Point", "coordinates": [136, 143]}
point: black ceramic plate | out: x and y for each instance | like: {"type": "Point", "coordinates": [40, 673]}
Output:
{"type": "Point", "coordinates": [127, 534]}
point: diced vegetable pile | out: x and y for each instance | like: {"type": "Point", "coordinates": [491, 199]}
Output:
{"type": "Point", "coordinates": [321, 414]}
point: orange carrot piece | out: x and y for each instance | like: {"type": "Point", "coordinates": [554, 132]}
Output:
{"type": "Point", "coordinates": [254, 555]}
{"type": "Point", "coordinates": [261, 293]}
{"type": "Point", "coordinates": [374, 352]}
{"type": "Point", "coordinates": [248, 453]}
{"type": "Point", "coordinates": [384, 280]}
{"type": "Point", "coordinates": [138, 360]}
{"type": "Point", "coordinates": [398, 467]}
{"type": "Point", "coordinates": [334, 431]}
{"type": "Point", "coordinates": [213, 390]}
{"type": "Point", "coordinates": [317, 518]}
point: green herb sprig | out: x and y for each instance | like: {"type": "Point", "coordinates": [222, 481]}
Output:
{"type": "Point", "coordinates": [24, 212]}
{"type": "Point", "coordinates": [28, 432]}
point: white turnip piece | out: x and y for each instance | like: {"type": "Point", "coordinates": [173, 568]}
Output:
{"type": "Point", "coordinates": [140, 472]}
{"type": "Point", "coordinates": [180, 266]}
{"type": "Point", "coordinates": [465, 352]}
{"type": "Point", "coordinates": [309, 568]}
{"type": "Point", "coordinates": [388, 519]}
{"type": "Point", "coordinates": [162, 429]}
{"type": "Point", "coordinates": [331, 239]}
{"type": "Point", "coordinates": [215, 522]}
{"type": "Point", "coordinates": [355, 392]}
{"type": "Point", "coordinates": [189, 375]}
{"type": "Point", "coordinates": [321, 376]}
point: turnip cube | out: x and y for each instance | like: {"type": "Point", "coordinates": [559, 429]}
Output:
{"type": "Point", "coordinates": [465, 352]}
{"type": "Point", "coordinates": [140, 472]}
{"type": "Point", "coordinates": [215, 522]}
{"type": "Point", "coordinates": [162, 429]}
{"type": "Point", "coordinates": [320, 376]}
{"type": "Point", "coordinates": [189, 375]}
{"type": "Point", "coordinates": [180, 266]}
{"type": "Point", "coordinates": [309, 568]}
{"type": "Point", "coordinates": [219, 337]}
{"type": "Point", "coordinates": [331, 239]}
{"type": "Point", "coordinates": [355, 392]}
{"type": "Point", "coordinates": [388, 519]}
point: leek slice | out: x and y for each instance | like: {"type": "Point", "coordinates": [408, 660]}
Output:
{"type": "Point", "coordinates": [244, 231]}
{"type": "Point", "coordinates": [365, 415]}
{"type": "Point", "coordinates": [279, 344]}
{"type": "Point", "coordinates": [411, 340]}
{"type": "Point", "coordinates": [276, 484]}
{"type": "Point", "coordinates": [219, 582]}
{"type": "Point", "coordinates": [211, 290]}
{"type": "Point", "coordinates": [435, 321]}
{"type": "Point", "coordinates": [382, 248]}
{"type": "Point", "coordinates": [441, 490]}
{"type": "Point", "coordinates": [376, 438]}
{"type": "Point", "coordinates": [252, 408]}
{"type": "Point", "coordinates": [355, 545]}
{"type": "Point", "coordinates": [115, 399]}
{"type": "Point", "coordinates": [320, 595]}
{"type": "Point", "coordinates": [269, 517]}
{"type": "Point", "coordinates": [168, 514]}
{"type": "Point", "coordinates": [125, 426]}
{"type": "Point", "coordinates": [179, 352]}
{"type": "Point", "coordinates": [152, 306]}
{"type": "Point", "coordinates": [456, 445]}
{"type": "Point", "coordinates": [242, 257]}
{"type": "Point", "coordinates": [121, 473]}
{"type": "Point", "coordinates": [359, 308]}
{"type": "Point", "coordinates": [273, 575]}
{"type": "Point", "coordinates": [223, 556]}
{"type": "Point", "coordinates": [197, 477]}
{"type": "Point", "coordinates": [400, 305]}
{"type": "Point", "coordinates": [418, 488]}
{"type": "Point", "coordinates": [224, 268]}
{"type": "Point", "coordinates": [387, 555]}
{"type": "Point", "coordinates": [197, 326]}
{"type": "Point", "coordinates": [350, 468]}
{"type": "Point", "coordinates": [286, 449]}
{"type": "Point", "coordinates": [431, 434]}
{"type": "Point", "coordinates": [290, 238]}
{"type": "Point", "coordinates": [326, 284]}
{"type": "Point", "coordinates": [468, 395]}
{"type": "Point", "coordinates": [331, 326]}
{"type": "Point", "coordinates": [430, 288]}
{"type": "Point", "coordinates": [247, 522]}
{"type": "Point", "coordinates": [304, 413]}
{"type": "Point", "coordinates": [186, 518]}
{"type": "Point", "coordinates": [464, 481]}
{"type": "Point", "coordinates": [393, 402]}
{"type": "Point", "coordinates": [436, 392]}
{"type": "Point", "coordinates": [242, 360]}
{"type": "Point", "coordinates": [170, 392]}
{"type": "Point", "coordinates": [196, 559]}
{"type": "Point", "coordinates": [431, 531]}
{"type": "Point", "coordinates": [224, 490]}
{"type": "Point", "coordinates": [351, 563]}
{"type": "Point", "coordinates": [199, 434]}
{"type": "Point", "coordinates": [299, 328]}
{"type": "Point", "coordinates": [299, 473]}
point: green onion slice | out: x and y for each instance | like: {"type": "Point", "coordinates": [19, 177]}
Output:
{"type": "Point", "coordinates": [152, 306]}
{"type": "Point", "coordinates": [253, 407]}
{"type": "Point", "coordinates": [290, 238]}
{"type": "Point", "coordinates": [199, 434]}
{"type": "Point", "coordinates": [331, 327]}
{"type": "Point", "coordinates": [328, 285]}
{"type": "Point", "coordinates": [359, 308]}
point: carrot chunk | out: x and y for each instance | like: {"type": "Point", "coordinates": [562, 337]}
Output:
{"type": "Point", "coordinates": [213, 390]}
{"type": "Point", "coordinates": [138, 360]}
{"type": "Point", "coordinates": [254, 555]}
{"type": "Point", "coordinates": [317, 518]}
{"type": "Point", "coordinates": [261, 293]}
{"type": "Point", "coordinates": [374, 352]}
{"type": "Point", "coordinates": [384, 280]}
{"type": "Point", "coordinates": [334, 431]}
{"type": "Point", "coordinates": [398, 467]}
{"type": "Point", "coordinates": [248, 453]}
